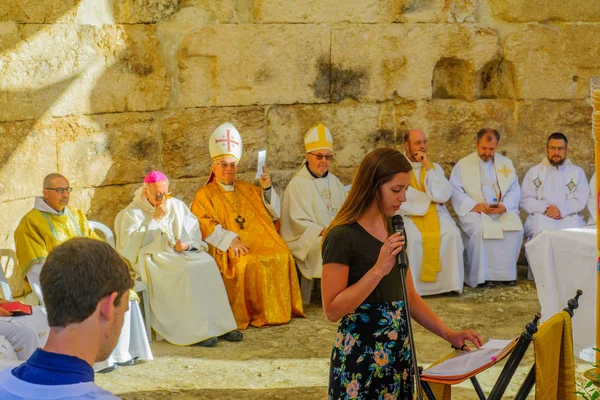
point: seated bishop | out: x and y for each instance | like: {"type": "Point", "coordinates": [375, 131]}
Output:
{"type": "Point", "coordinates": [161, 238]}
{"type": "Point", "coordinates": [434, 245]}
{"type": "Point", "coordinates": [485, 195]}
{"type": "Point", "coordinates": [555, 191]}
{"type": "Point", "coordinates": [310, 201]}
{"type": "Point", "coordinates": [52, 222]}
{"type": "Point", "coordinates": [236, 219]}
{"type": "Point", "coordinates": [592, 202]}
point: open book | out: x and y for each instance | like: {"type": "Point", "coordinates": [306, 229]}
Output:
{"type": "Point", "coordinates": [463, 365]}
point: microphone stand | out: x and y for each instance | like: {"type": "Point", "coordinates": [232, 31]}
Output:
{"type": "Point", "coordinates": [398, 226]}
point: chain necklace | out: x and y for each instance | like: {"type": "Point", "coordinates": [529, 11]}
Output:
{"type": "Point", "coordinates": [239, 219]}
{"type": "Point", "coordinates": [326, 194]}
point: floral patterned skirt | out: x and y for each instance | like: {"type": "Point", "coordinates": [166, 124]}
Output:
{"type": "Point", "coordinates": [371, 354]}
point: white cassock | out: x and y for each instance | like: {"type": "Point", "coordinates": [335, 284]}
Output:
{"type": "Point", "coordinates": [309, 205]}
{"type": "Point", "coordinates": [492, 242]}
{"type": "Point", "coordinates": [24, 334]}
{"type": "Point", "coordinates": [544, 185]}
{"type": "Point", "coordinates": [438, 190]}
{"type": "Point", "coordinates": [591, 202]}
{"type": "Point", "coordinates": [188, 301]}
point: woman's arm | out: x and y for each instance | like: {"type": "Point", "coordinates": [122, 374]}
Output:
{"type": "Point", "coordinates": [340, 299]}
{"type": "Point", "coordinates": [421, 313]}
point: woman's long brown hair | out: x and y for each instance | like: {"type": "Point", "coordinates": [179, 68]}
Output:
{"type": "Point", "coordinates": [377, 168]}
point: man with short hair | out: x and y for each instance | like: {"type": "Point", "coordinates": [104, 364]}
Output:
{"type": "Point", "coordinates": [162, 240]}
{"type": "Point", "coordinates": [485, 195]}
{"type": "Point", "coordinates": [310, 201]}
{"type": "Point", "coordinates": [434, 246]}
{"type": "Point", "coordinates": [85, 285]}
{"type": "Point", "coordinates": [555, 191]}
{"type": "Point", "coordinates": [236, 219]}
{"type": "Point", "coordinates": [51, 222]}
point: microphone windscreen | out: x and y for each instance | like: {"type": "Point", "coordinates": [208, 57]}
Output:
{"type": "Point", "coordinates": [397, 223]}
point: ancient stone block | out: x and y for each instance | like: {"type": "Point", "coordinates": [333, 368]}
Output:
{"type": "Point", "coordinates": [110, 149]}
{"type": "Point", "coordinates": [143, 11]}
{"type": "Point", "coordinates": [538, 119]}
{"type": "Point", "coordinates": [136, 78]}
{"type": "Point", "coordinates": [323, 11]}
{"type": "Point", "coordinates": [225, 65]}
{"type": "Point", "coordinates": [451, 126]}
{"type": "Point", "coordinates": [554, 62]}
{"type": "Point", "coordinates": [27, 155]}
{"type": "Point", "coordinates": [379, 62]}
{"type": "Point", "coordinates": [546, 10]}
{"type": "Point", "coordinates": [356, 129]}
{"type": "Point", "coordinates": [224, 11]}
{"type": "Point", "coordinates": [185, 136]}
{"type": "Point", "coordinates": [38, 12]}
{"type": "Point", "coordinates": [435, 10]}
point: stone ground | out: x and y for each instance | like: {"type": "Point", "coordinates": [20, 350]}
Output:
{"type": "Point", "coordinates": [291, 361]}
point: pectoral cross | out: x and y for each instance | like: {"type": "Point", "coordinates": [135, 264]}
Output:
{"type": "Point", "coordinates": [240, 221]}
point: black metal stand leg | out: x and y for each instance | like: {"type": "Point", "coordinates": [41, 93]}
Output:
{"type": "Point", "coordinates": [427, 389]}
{"type": "Point", "coordinates": [527, 385]}
{"type": "Point", "coordinates": [478, 388]}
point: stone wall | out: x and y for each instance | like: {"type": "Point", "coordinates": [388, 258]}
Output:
{"type": "Point", "coordinates": [104, 90]}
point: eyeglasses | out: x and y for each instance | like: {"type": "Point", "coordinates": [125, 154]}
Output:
{"type": "Point", "coordinates": [224, 164]}
{"type": "Point", "coordinates": [160, 196]}
{"type": "Point", "coordinates": [321, 156]}
{"type": "Point", "coordinates": [61, 190]}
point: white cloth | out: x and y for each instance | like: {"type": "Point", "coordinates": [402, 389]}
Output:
{"type": "Point", "coordinates": [309, 205]}
{"type": "Point", "coordinates": [591, 202]}
{"type": "Point", "coordinates": [12, 388]}
{"type": "Point", "coordinates": [544, 185]}
{"type": "Point", "coordinates": [221, 238]}
{"type": "Point", "coordinates": [134, 343]}
{"type": "Point", "coordinates": [26, 333]}
{"type": "Point", "coordinates": [492, 242]}
{"type": "Point", "coordinates": [562, 262]}
{"type": "Point", "coordinates": [438, 190]}
{"type": "Point", "coordinates": [188, 301]}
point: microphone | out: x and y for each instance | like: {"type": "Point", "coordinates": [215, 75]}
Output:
{"type": "Point", "coordinates": [398, 227]}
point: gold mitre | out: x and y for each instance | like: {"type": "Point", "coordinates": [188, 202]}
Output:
{"type": "Point", "coordinates": [225, 141]}
{"type": "Point", "coordinates": [318, 138]}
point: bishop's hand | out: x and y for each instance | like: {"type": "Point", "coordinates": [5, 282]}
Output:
{"type": "Point", "coordinates": [3, 312]}
{"type": "Point", "coordinates": [265, 179]}
{"type": "Point", "coordinates": [238, 247]}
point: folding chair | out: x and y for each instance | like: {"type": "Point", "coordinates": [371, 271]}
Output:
{"type": "Point", "coordinates": [516, 356]}
{"type": "Point", "coordinates": [139, 287]}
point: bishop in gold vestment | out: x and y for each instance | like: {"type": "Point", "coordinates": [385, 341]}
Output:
{"type": "Point", "coordinates": [257, 266]}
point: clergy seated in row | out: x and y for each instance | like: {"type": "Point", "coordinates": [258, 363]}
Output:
{"type": "Point", "coordinates": [311, 200]}
{"type": "Point", "coordinates": [554, 192]}
{"type": "Point", "coordinates": [161, 238]}
{"type": "Point", "coordinates": [236, 219]}
{"type": "Point", "coordinates": [591, 201]}
{"type": "Point", "coordinates": [52, 222]}
{"type": "Point", "coordinates": [485, 195]}
{"type": "Point", "coordinates": [434, 244]}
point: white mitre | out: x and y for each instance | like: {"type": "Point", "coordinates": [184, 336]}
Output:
{"type": "Point", "coordinates": [225, 141]}
{"type": "Point", "coordinates": [318, 138]}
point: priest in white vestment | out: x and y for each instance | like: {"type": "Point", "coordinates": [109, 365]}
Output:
{"type": "Point", "coordinates": [310, 201]}
{"type": "Point", "coordinates": [51, 222]}
{"type": "Point", "coordinates": [161, 238]}
{"type": "Point", "coordinates": [555, 191]}
{"type": "Point", "coordinates": [20, 336]}
{"type": "Point", "coordinates": [434, 244]}
{"type": "Point", "coordinates": [591, 202]}
{"type": "Point", "coordinates": [485, 195]}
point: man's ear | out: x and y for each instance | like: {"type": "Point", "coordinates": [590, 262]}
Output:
{"type": "Point", "coordinates": [107, 306]}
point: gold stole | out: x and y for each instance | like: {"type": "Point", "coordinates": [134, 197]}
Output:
{"type": "Point", "coordinates": [429, 226]}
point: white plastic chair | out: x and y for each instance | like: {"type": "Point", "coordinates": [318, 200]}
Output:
{"type": "Point", "coordinates": [7, 261]}
{"type": "Point", "coordinates": [139, 287]}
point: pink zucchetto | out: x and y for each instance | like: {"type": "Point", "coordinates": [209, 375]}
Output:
{"type": "Point", "coordinates": [155, 176]}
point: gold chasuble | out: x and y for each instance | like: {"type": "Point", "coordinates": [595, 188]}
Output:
{"type": "Point", "coordinates": [39, 232]}
{"type": "Point", "coordinates": [429, 226]}
{"type": "Point", "coordinates": [262, 285]}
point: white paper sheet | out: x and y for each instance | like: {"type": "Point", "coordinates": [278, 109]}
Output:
{"type": "Point", "coordinates": [262, 158]}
